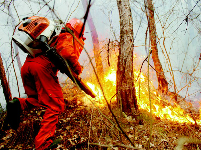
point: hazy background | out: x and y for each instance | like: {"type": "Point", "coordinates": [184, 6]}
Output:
{"type": "Point", "coordinates": [178, 39]}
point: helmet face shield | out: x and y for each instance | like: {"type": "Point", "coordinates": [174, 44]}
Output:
{"type": "Point", "coordinates": [26, 43]}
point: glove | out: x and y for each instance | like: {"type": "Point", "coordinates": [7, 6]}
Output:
{"type": "Point", "coordinates": [78, 70]}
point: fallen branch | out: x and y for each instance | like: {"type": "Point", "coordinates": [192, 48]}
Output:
{"type": "Point", "coordinates": [111, 146]}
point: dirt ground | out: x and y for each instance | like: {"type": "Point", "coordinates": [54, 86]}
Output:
{"type": "Point", "coordinates": [89, 127]}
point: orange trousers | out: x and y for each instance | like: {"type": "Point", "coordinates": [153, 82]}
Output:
{"type": "Point", "coordinates": [41, 85]}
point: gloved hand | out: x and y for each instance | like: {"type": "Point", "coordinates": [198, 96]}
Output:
{"type": "Point", "coordinates": [78, 70]}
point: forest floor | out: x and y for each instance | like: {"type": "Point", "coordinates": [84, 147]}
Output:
{"type": "Point", "coordinates": [84, 126]}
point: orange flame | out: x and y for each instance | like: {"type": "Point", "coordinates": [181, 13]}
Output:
{"type": "Point", "coordinates": [160, 106]}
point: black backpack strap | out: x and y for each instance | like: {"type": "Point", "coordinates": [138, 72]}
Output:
{"type": "Point", "coordinates": [65, 30]}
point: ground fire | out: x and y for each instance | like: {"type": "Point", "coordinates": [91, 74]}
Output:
{"type": "Point", "coordinates": [162, 108]}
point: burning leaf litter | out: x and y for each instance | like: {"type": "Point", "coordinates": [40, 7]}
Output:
{"type": "Point", "coordinates": [162, 108]}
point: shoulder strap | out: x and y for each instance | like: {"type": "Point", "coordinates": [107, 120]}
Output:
{"type": "Point", "coordinates": [54, 41]}
{"type": "Point", "coordinates": [64, 30]}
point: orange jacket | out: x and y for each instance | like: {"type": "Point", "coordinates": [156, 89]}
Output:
{"type": "Point", "coordinates": [69, 48]}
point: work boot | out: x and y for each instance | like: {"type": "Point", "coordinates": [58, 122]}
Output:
{"type": "Point", "coordinates": [13, 113]}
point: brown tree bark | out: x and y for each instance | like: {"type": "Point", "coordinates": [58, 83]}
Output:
{"type": "Point", "coordinates": [125, 78]}
{"type": "Point", "coordinates": [96, 48]}
{"type": "Point", "coordinates": [162, 82]}
{"type": "Point", "coordinates": [4, 83]}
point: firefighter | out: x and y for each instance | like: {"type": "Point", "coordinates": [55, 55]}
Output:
{"type": "Point", "coordinates": [68, 47]}
{"type": "Point", "coordinates": [41, 85]}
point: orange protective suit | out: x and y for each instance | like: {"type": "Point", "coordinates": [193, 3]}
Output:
{"type": "Point", "coordinates": [41, 85]}
{"type": "Point", "coordinates": [69, 48]}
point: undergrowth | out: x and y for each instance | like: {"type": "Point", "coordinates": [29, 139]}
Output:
{"type": "Point", "coordinates": [84, 126]}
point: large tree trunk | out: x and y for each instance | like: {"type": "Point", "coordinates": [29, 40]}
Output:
{"type": "Point", "coordinates": [125, 78]}
{"type": "Point", "coordinates": [96, 48]}
{"type": "Point", "coordinates": [162, 82]}
{"type": "Point", "coordinates": [4, 83]}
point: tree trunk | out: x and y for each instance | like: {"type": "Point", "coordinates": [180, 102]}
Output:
{"type": "Point", "coordinates": [162, 82]}
{"type": "Point", "coordinates": [126, 96]}
{"type": "Point", "coordinates": [96, 48]}
{"type": "Point", "coordinates": [4, 83]}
